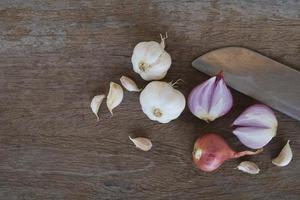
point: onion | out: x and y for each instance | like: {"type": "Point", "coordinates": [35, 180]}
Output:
{"type": "Point", "coordinates": [256, 126]}
{"type": "Point", "coordinates": [211, 151]}
{"type": "Point", "coordinates": [210, 99]}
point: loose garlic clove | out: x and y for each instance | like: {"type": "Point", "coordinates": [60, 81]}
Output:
{"type": "Point", "coordinates": [129, 84]}
{"type": "Point", "coordinates": [248, 167]}
{"type": "Point", "coordinates": [211, 99]}
{"type": "Point", "coordinates": [150, 60]}
{"type": "Point", "coordinates": [142, 143]}
{"type": "Point", "coordinates": [95, 104]}
{"type": "Point", "coordinates": [256, 126]}
{"type": "Point", "coordinates": [114, 97]}
{"type": "Point", "coordinates": [284, 157]}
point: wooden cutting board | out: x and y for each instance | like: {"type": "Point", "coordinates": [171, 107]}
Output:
{"type": "Point", "coordinates": [56, 55]}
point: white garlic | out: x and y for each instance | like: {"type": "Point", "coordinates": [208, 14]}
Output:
{"type": "Point", "coordinates": [142, 143]}
{"type": "Point", "coordinates": [129, 84]}
{"type": "Point", "coordinates": [114, 97]}
{"type": "Point", "coordinates": [161, 102]}
{"type": "Point", "coordinates": [150, 60]}
{"type": "Point", "coordinates": [284, 157]}
{"type": "Point", "coordinates": [95, 104]}
{"type": "Point", "coordinates": [248, 167]}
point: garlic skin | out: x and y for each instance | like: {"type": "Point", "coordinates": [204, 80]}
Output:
{"type": "Point", "coordinates": [150, 60]}
{"type": "Point", "coordinates": [114, 97]}
{"type": "Point", "coordinates": [161, 102]}
{"type": "Point", "coordinates": [142, 143]}
{"type": "Point", "coordinates": [248, 167]}
{"type": "Point", "coordinates": [256, 126]}
{"type": "Point", "coordinates": [95, 104]}
{"type": "Point", "coordinates": [129, 84]}
{"type": "Point", "coordinates": [284, 157]}
{"type": "Point", "coordinates": [211, 99]}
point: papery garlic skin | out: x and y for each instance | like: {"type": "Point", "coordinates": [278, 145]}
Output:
{"type": "Point", "coordinates": [248, 167]}
{"type": "Point", "coordinates": [284, 157]}
{"type": "Point", "coordinates": [161, 102]}
{"type": "Point", "coordinates": [95, 104]}
{"type": "Point", "coordinates": [256, 126]}
{"type": "Point", "coordinates": [150, 60]}
{"type": "Point", "coordinates": [142, 143]}
{"type": "Point", "coordinates": [129, 84]}
{"type": "Point", "coordinates": [211, 99]}
{"type": "Point", "coordinates": [114, 97]}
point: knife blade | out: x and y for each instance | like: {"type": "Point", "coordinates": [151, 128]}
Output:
{"type": "Point", "coordinates": [255, 75]}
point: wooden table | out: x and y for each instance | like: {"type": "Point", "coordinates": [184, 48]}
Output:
{"type": "Point", "coordinates": [55, 55]}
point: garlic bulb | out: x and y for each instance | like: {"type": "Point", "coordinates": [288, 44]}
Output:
{"type": "Point", "coordinates": [161, 102]}
{"type": "Point", "coordinates": [95, 104]}
{"type": "Point", "coordinates": [284, 157]}
{"type": "Point", "coordinates": [114, 97]}
{"type": "Point", "coordinates": [256, 126]}
{"type": "Point", "coordinates": [211, 99]}
{"type": "Point", "coordinates": [129, 84]}
{"type": "Point", "coordinates": [248, 167]}
{"type": "Point", "coordinates": [150, 60]}
{"type": "Point", "coordinates": [142, 143]}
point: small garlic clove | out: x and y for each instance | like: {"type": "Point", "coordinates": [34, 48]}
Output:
{"type": "Point", "coordinates": [114, 97]}
{"type": "Point", "coordinates": [248, 167]}
{"type": "Point", "coordinates": [95, 104]}
{"type": "Point", "coordinates": [211, 99]}
{"type": "Point", "coordinates": [284, 157]}
{"type": "Point", "coordinates": [142, 143]}
{"type": "Point", "coordinates": [129, 84]}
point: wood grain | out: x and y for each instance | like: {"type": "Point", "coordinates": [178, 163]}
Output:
{"type": "Point", "coordinates": [55, 55]}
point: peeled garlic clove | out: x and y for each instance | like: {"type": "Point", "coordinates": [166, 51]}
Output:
{"type": "Point", "coordinates": [129, 84]}
{"type": "Point", "coordinates": [161, 102]}
{"type": "Point", "coordinates": [95, 104]}
{"type": "Point", "coordinates": [248, 167]}
{"type": "Point", "coordinates": [150, 60]}
{"type": "Point", "coordinates": [256, 126]}
{"type": "Point", "coordinates": [284, 157]}
{"type": "Point", "coordinates": [211, 99]}
{"type": "Point", "coordinates": [114, 97]}
{"type": "Point", "coordinates": [142, 143]}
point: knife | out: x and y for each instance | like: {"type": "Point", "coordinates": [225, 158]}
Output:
{"type": "Point", "coordinates": [255, 75]}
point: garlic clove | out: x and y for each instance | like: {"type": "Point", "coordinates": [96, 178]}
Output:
{"type": "Point", "coordinates": [248, 167]}
{"type": "Point", "coordinates": [95, 104]}
{"type": "Point", "coordinates": [254, 137]}
{"type": "Point", "coordinates": [114, 97]}
{"type": "Point", "coordinates": [142, 143]}
{"type": "Point", "coordinates": [284, 157]}
{"type": "Point", "coordinates": [257, 115]}
{"type": "Point", "coordinates": [211, 99]}
{"type": "Point", "coordinates": [129, 84]}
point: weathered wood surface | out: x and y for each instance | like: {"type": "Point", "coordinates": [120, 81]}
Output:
{"type": "Point", "coordinates": [56, 54]}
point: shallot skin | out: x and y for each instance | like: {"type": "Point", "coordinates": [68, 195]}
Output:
{"type": "Point", "coordinates": [211, 151]}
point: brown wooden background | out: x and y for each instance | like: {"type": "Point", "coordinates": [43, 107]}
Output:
{"type": "Point", "coordinates": [56, 54]}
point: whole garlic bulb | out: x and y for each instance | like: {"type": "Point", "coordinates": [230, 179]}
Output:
{"type": "Point", "coordinates": [150, 60]}
{"type": "Point", "coordinates": [161, 102]}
